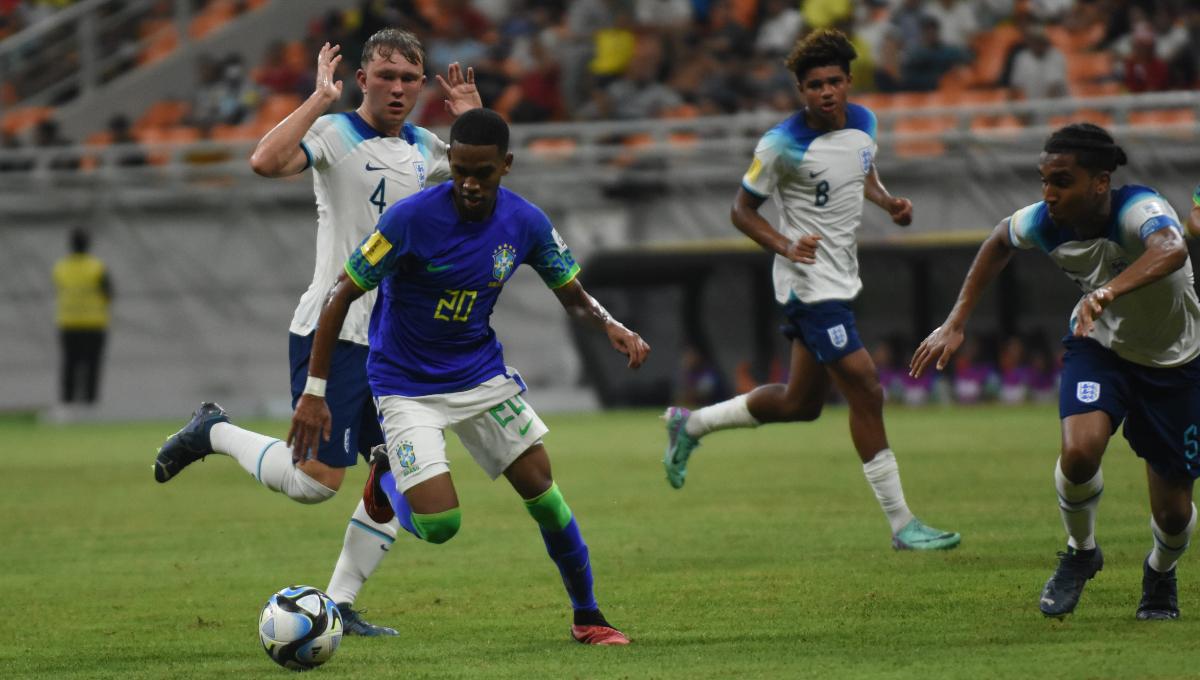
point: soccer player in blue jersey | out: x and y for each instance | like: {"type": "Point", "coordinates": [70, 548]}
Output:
{"type": "Point", "coordinates": [819, 165]}
{"type": "Point", "coordinates": [1133, 353]}
{"type": "Point", "coordinates": [362, 161]}
{"type": "Point", "coordinates": [440, 259]}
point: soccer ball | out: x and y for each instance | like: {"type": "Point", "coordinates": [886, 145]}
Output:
{"type": "Point", "coordinates": [300, 628]}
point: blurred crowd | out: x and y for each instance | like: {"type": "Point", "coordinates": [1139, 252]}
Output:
{"type": "Point", "coordinates": [1009, 370]}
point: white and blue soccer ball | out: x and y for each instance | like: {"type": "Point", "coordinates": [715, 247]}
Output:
{"type": "Point", "coordinates": [300, 628]}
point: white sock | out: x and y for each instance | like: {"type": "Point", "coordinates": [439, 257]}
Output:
{"type": "Point", "coordinates": [363, 549]}
{"type": "Point", "coordinates": [883, 474]}
{"type": "Point", "coordinates": [269, 461]}
{"type": "Point", "coordinates": [1078, 504]}
{"type": "Point", "coordinates": [1168, 548]}
{"type": "Point", "coordinates": [723, 416]}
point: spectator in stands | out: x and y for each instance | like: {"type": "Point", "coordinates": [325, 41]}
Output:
{"type": "Point", "coordinates": [127, 152]}
{"type": "Point", "coordinates": [205, 104]}
{"type": "Point", "coordinates": [888, 77]}
{"type": "Point", "coordinates": [1143, 70]}
{"type": "Point", "coordinates": [926, 63]}
{"type": "Point", "coordinates": [47, 136]}
{"type": "Point", "coordinates": [10, 143]}
{"type": "Point", "coordinates": [958, 21]}
{"type": "Point", "coordinates": [582, 20]}
{"type": "Point", "coordinates": [779, 29]}
{"type": "Point", "coordinates": [84, 295]}
{"type": "Point", "coordinates": [1039, 71]}
{"type": "Point", "coordinates": [1015, 375]}
{"type": "Point", "coordinates": [640, 93]}
{"type": "Point", "coordinates": [614, 48]}
{"type": "Point", "coordinates": [890, 374]}
{"type": "Point", "coordinates": [826, 13]}
{"type": "Point", "coordinates": [237, 96]}
{"type": "Point", "coordinates": [452, 42]}
{"type": "Point", "coordinates": [539, 96]}
{"type": "Point", "coordinates": [975, 380]}
{"type": "Point", "coordinates": [277, 75]}
{"type": "Point", "coordinates": [699, 382]}
{"type": "Point", "coordinates": [906, 17]}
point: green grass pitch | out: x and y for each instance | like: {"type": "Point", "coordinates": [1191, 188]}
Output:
{"type": "Point", "coordinates": [773, 562]}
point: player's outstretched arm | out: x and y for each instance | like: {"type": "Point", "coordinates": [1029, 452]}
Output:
{"type": "Point", "coordinates": [311, 421]}
{"type": "Point", "coordinates": [278, 153]}
{"type": "Point", "coordinates": [580, 305]}
{"type": "Point", "coordinates": [459, 89]}
{"type": "Point", "coordinates": [900, 209]}
{"type": "Point", "coordinates": [944, 340]}
{"type": "Point", "coordinates": [746, 218]}
{"type": "Point", "coordinates": [1165, 253]}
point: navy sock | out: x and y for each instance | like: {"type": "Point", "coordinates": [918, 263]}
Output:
{"type": "Point", "coordinates": [570, 554]}
{"type": "Point", "coordinates": [399, 503]}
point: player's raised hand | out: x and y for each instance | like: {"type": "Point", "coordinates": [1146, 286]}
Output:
{"type": "Point", "coordinates": [804, 249]}
{"type": "Point", "coordinates": [628, 343]}
{"type": "Point", "coordinates": [938, 345]}
{"type": "Point", "coordinates": [901, 211]}
{"type": "Point", "coordinates": [311, 425]}
{"type": "Point", "coordinates": [1090, 307]}
{"type": "Point", "coordinates": [461, 95]}
{"type": "Point", "coordinates": [327, 63]}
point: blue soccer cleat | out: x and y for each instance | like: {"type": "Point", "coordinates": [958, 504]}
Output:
{"type": "Point", "coordinates": [680, 445]}
{"type": "Point", "coordinates": [189, 444]}
{"type": "Point", "coordinates": [1160, 595]}
{"type": "Point", "coordinates": [1075, 569]}
{"type": "Point", "coordinates": [916, 536]}
{"type": "Point", "coordinates": [355, 624]}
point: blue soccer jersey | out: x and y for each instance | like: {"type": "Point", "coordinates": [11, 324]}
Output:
{"type": "Point", "coordinates": [439, 279]}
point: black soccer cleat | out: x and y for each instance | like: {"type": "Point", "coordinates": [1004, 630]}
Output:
{"type": "Point", "coordinates": [1160, 595]}
{"type": "Point", "coordinates": [356, 625]}
{"type": "Point", "coordinates": [1062, 591]}
{"type": "Point", "coordinates": [189, 444]}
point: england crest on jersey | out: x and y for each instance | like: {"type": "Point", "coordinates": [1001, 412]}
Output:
{"type": "Point", "coordinates": [1087, 391]}
{"type": "Point", "coordinates": [837, 335]}
{"type": "Point", "coordinates": [864, 155]}
{"type": "Point", "coordinates": [419, 166]}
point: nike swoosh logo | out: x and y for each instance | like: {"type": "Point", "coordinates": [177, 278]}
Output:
{"type": "Point", "coordinates": [814, 174]}
{"type": "Point", "coordinates": [1046, 600]}
{"type": "Point", "coordinates": [371, 168]}
{"type": "Point", "coordinates": [525, 429]}
{"type": "Point", "coordinates": [431, 267]}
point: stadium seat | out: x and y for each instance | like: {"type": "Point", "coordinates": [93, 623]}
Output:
{"type": "Point", "coordinates": [991, 50]}
{"type": "Point", "coordinates": [1181, 122]}
{"type": "Point", "coordinates": [159, 39]}
{"type": "Point", "coordinates": [16, 121]}
{"type": "Point", "coordinates": [1089, 66]}
{"type": "Point", "coordinates": [214, 15]}
{"type": "Point", "coordinates": [164, 113]}
{"type": "Point", "coordinates": [1082, 116]}
{"type": "Point", "coordinates": [1107, 88]}
{"type": "Point", "coordinates": [552, 148]}
{"type": "Point", "coordinates": [876, 101]}
{"type": "Point", "coordinates": [275, 108]}
{"type": "Point", "coordinates": [929, 127]}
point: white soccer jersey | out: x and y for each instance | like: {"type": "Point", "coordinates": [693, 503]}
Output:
{"type": "Point", "coordinates": [817, 179]}
{"type": "Point", "coordinates": [357, 174]}
{"type": "Point", "coordinates": [1155, 325]}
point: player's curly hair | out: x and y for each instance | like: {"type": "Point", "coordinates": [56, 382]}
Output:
{"type": "Point", "coordinates": [1094, 148]}
{"type": "Point", "coordinates": [387, 41]}
{"type": "Point", "coordinates": [823, 47]}
{"type": "Point", "coordinates": [480, 127]}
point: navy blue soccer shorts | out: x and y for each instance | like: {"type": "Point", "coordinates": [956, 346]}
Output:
{"type": "Point", "coordinates": [827, 328]}
{"type": "Point", "coordinates": [1160, 406]}
{"type": "Point", "coordinates": [355, 428]}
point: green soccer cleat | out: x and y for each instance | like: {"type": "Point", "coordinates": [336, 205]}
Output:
{"type": "Point", "coordinates": [916, 536]}
{"type": "Point", "coordinates": [679, 445]}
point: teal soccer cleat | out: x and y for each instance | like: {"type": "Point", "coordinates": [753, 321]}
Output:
{"type": "Point", "coordinates": [679, 445]}
{"type": "Point", "coordinates": [355, 624]}
{"type": "Point", "coordinates": [190, 444]}
{"type": "Point", "coordinates": [916, 536]}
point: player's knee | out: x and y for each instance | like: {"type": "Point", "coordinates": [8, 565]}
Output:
{"type": "Point", "coordinates": [304, 489]}
{"type": "Point", "coordinates": [1173, 521]}
{"type": "Point", "coordinates": [1080, 461]}
{"type": "Point", "coordinates": [438, 527]}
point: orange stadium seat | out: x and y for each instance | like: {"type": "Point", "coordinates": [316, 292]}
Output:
{"type": "Point", "coordinates": [164, 113]}
{"type": "Point", "coordinates": [552, 148]}
{"type": "Point", "coordinates": [275, 108]}
{"type": "Point", "coordinates": [1082, 116]}
{"type": "Point", "coordinates": [930, 126]}
{"type": "Point", "coordinates": [215, 14]}
{"type": "Point", "coordinates": [991, 49]}
{"type": "Point", "coordinates": [876, 101]}
{"type": "Point", "coordinates": [1089, 66]}
{"type": "Point", "coordinates": [158, 42]}
{"type": "Point", "coordinates": [1162, 117]}
{"type": "Point", "coordinates": [16, 121]}
{"type": "Point", "coordinates": [1105, 88]}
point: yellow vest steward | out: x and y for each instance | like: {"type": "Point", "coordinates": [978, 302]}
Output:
{"type": "Point", "coordinates": [82, 304]}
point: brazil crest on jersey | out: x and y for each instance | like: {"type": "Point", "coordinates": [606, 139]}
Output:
{"type": "Point", "coordinates": [439, 279]}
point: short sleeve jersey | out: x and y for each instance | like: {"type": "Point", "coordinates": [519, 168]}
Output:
{"type": "Point", "coordinates": [817, 180]}
{"type": "Point", "coordinates": [1156, 325]}
{"type": "Point", "coordinates": [357, 174]}
{"type": "Point", "coordinates": [439, 279]}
